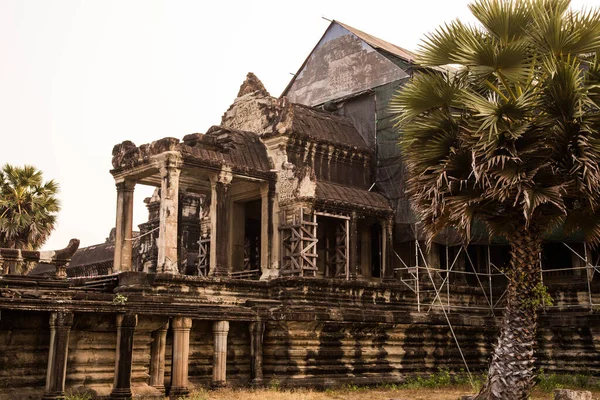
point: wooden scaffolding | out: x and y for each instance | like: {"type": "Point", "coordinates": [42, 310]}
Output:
{"type": "Point", "coordinates": [299, 243]}
{"type": "Point", "coordinates": [204, 256]}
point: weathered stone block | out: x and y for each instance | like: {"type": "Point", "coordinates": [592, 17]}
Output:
{"type": "Point", "coordinates": [567, 394]}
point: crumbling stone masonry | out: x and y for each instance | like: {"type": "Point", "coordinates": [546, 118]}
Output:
{"type": "Point", "coordinates": [280, 247]}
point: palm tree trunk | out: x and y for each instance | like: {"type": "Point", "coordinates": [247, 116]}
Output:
{"type": "Point", "coordinates": [511, 372]}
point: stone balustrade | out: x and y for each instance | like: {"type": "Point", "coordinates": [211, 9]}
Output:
{"type": "Point", "coordinates": [19, 262]}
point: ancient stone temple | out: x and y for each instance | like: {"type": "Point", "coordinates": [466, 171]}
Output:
{"type": "Point", "coordinates": [279, 247]}
{"type": "Point", "coordinates": [278, 189]}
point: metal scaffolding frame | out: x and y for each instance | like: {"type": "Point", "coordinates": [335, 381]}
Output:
{"type": "Point", "coordinates": [412, 276]}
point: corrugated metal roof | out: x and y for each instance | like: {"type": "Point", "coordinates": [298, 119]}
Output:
{"type": "Point", "coordinates": [371, 40]}
{"type": "Point", "coordinates": [381, 44]}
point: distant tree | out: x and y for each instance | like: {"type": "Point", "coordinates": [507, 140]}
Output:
{"type": "Point", "coordinates": [28, 207]}
{"type": "Point", "coordinates": [511, 139]}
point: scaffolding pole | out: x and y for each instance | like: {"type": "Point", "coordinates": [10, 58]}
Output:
{"type": "Point", "coordinates": [489, 271]}
{"type": "Point", "coordinates": [493, 303]}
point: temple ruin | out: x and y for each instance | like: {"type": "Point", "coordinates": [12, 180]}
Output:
{"type": "Point", "coordinates": [279, 247]}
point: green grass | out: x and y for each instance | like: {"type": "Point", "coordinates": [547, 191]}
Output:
{"type": "Point", "coordinates": [197, 395]}
{"type": "Point", "coordinates": [549, 382]}
{"type": "Point", "coordinates": [78, 396]}
{"type": "Point", "coordinates": [441, 379]}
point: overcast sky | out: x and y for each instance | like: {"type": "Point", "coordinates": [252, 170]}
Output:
{"type": "Point", "coordinates": [78, 77]}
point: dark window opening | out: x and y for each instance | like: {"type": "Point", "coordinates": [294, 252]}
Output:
{"type": "Point", "coordinates": [556, 256]}
{"type": "Point", "coordinates": [252, 231]}
{"type": "Point", "coordinates": [375, 251]}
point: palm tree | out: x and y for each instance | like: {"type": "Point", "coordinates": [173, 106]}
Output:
{"type": "Point", "coordinates": [28, 207]}
{"type": "Point", "coordinates": [509, 137]}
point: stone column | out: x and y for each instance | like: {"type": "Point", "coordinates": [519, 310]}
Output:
{"type": "Point", "coordinates": [220, 223]}
{"type": "Point", "coordinates": [124, 226]}
{"type": "Point", "coordinates": [168, 215]}
{"type": "Point", "coordinates": [353, 240]}
{"type": "Point", "coordinates": [388, 249]}
{"type": "Point", "coordinates": [157, 358]}
{"type": "Point", "coordinates": [256, 351]}
{"type": "Point", "coordinates": [126, 324]}
{"type": "Point", "coordinates": [265, 238]}
{"type": "Point", "coordinates": [60, 328]}
{"type": "Point", "coordinates": [273, 229]}
{"type": "Point", "coordinates": [220, 330]}
{"type": "Point", "coordinates": [272, 234]}
{"type": "Point", "coordinates": [181, 351]}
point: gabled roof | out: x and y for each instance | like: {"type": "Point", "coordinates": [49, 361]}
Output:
{"type": "Point", "coordinates": [346, 61]}
{"type": "Point", "coordinates": [381, 44]}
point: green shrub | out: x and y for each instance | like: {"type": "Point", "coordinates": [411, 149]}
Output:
{"type": "Point", "coordinates": [119, 300]}
{"type": "Point", "coordinates": [274, 384]}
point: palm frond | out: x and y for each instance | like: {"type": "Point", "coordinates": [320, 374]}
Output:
{"type": "Point", "coordinates": [507, 21]}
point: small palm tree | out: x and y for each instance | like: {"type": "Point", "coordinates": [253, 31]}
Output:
{"type": "Point", "coordinates": [28, 207]}
{"type": "Point", "coordinates": [510, 138]}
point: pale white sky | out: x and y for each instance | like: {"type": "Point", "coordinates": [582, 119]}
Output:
{"type": "Point", "coordinates": [78, 77]}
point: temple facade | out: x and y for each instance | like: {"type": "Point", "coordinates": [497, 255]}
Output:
{"type": "Point", "coordinates": [280, 248]}
{"type": "Point", "coordinates": [278, 189]}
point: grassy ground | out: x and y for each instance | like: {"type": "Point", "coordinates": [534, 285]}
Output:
{"type": "Point", "coordinates": [447, 393]}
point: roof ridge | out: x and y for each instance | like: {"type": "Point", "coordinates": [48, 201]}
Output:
{"type": "Point", "coordinates": [377, 43]}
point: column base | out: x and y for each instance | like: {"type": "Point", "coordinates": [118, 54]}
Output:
{"type": "Point", "coordinates": [53, 396]}
{"type": "Point", "coordinates": [178, 391]}
{"type": "Point", "coordinates": [257, 382]}
{"type": "Point", "coordinates": [160, 388]}
{"type": "Point", "coordinates": [122, 394]}
{"type": "Point", "coordinates": [218, 385]}
{"type": "Point", "coordinates": [220, 273]}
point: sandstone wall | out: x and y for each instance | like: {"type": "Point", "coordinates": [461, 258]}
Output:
{"type": "Point", "coordinates": [317, 333]}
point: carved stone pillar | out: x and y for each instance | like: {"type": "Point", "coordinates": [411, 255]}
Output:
{"type": "Point", "coordinates": [265, 238]}
{"type": "Point", "coordinates": [181, 350]}
{"type": "Point", "coordinates": [60, 328]}
{"type": "Point", "coordinates": [353, 240]}
{"type": "Point", "coordinates": [124, 226]}
{"type": "Point", "coordinates": [220, 330]}
{"type": "Point", "coordinates": [388, 249]}
{"type": "Point", "coordinates": [169, 208]}
{"type": "Point", "coordinates": [157, 358]}
{"type": "Point", "coordinates": [272, 234]}
{"type": "Point", "coordinates": [126, 324]}
{"type": "Point", "coordinates": [220, 264]}
{"type": "Point", "coordinates": [256, 351]}
{"type": "Point", "coordinates": [273, 230]}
